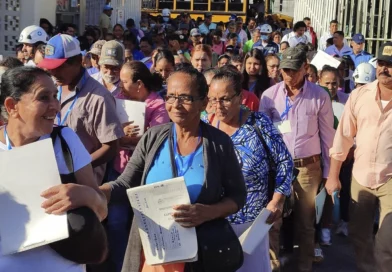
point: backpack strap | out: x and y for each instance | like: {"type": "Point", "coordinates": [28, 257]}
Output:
{"type": "Point", "coordinates": [66, 152]}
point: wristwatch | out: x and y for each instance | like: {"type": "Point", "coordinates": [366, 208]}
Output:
{"type": "Point", "coordinates": [179, 52]}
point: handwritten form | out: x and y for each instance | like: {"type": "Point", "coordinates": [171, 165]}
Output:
{"type": "Point", "coordinates": [135, 111]}
{"type": "Point", "coordinates": [163, 240]}
{"type": "Point", "coordinates": [26, 172]}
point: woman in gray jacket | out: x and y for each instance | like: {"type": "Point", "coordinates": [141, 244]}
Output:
{"type": "Point", "coordinates": [201, 153]}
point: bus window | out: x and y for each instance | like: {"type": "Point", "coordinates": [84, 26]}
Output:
{"type": "Point", "coordinates": [183, 4]}
{"type": "Point", "coordinates": [236, 5]}
{"type": "Point", "coordinates": [149, 4]}
{"type": "Point", "coordinates": [166, 4]}
{"type": "Point", "coordinates": [200, 5]}
{"type": "Point", "coordinates": [218, 5]}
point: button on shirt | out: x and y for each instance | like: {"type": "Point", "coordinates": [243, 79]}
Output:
{"type": "Point", "coordinates": [311, 120]}
{"type": "Point", "coordinates": [371, 126]}
{"type": "Point", "coordinates": [361, 58]}
{"type": "Point", "coordinates": [93, 117]}
{"type": "Point", "coordinates": [332, 50]}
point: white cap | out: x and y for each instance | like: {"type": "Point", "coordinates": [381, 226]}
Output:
{"type": "Point", "coordinates": [166, 12]}
{"type": "Point", "coordinates": [33, 34]}
{"type": "Point", "coordinates": [364, 74]}
{"type": "Point", "coordinates": [266, 28]}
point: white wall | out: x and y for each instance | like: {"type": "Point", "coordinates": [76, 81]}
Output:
{"type": "Point", "coordinates": [33, 10]}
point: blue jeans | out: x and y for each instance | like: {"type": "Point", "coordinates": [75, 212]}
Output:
{"type": "Point", "coordinates": [117, 228]}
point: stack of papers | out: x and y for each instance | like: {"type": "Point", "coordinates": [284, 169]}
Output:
{"type": "Point", "coordinates": [322, 59]}
{"type": "Point", "coordinates": [164, 241]}
{"type": "Point", "coordinates": [128, 110]}
{"type": "Point", "coordinates": [26, 172]}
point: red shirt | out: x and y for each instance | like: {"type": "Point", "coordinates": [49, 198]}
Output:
{"type": "Point", "coordinates": [250, 100]}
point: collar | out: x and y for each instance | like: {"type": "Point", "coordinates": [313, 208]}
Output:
{"type": "Point", "coordinates": [302, 89]}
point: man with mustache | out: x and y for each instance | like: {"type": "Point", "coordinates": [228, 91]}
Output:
{"type": "Point", "coordinates": [367, 117]}
{"type": "Point", "coordinates": [110, 63]}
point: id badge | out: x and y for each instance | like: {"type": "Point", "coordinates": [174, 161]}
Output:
{"type": "Point", "coordinates": [283, 126]}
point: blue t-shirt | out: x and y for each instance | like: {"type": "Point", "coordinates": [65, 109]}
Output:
{"type": "Point", "coordinates": [161, 170]}
{"type": "Point", "coordinates": [137, 55]}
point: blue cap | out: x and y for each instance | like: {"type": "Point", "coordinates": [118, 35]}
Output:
{"type": "Point", "coordinates": [59, 48]}
{"type": "Point", "coordinates": [107, 7]}
{"type": "Point", "coordinates": [233, 17]}
{"type": "Point", "coordinates": [358, 38]}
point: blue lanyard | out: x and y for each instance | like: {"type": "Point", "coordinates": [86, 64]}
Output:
{"type": "Point", "coordinates": [287, 110]}
{"type": "Point", "coordinates": [183, 164]}
{"type": "Point", "coordinates": [60, 121]}
{"type": "Point", "coordinates": [252, 87]}
{"type": "Point", "coordinates": [7, 139]}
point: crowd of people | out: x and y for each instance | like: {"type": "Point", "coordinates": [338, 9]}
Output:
{"type": "Point", "coordinates": [235, 107]}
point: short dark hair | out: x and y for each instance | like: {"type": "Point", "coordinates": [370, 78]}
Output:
{"type": "Point", "coordinates": [130, 38]}
{"type": "Point", "coordinates": [333, 22]}
{"type": "Point", "coordinates": [147, 40]}
{"type": "Point", "coordinates": [330, 41]}
{"type": "Point", "coordinates": [313, 68]}
{"type": "Point", "coordinates": [232, 36]}
{"type": "Point", "coordinates": [198, 81]}
{"type": "Point", "coordinates": [64, 27]}
{"type": "Point", "coordinates": [237, 58]}
{"type": "Point", "coordinates": [224, 56]}
{"type": "Point", "coordinates": [298, 25]}
{"type": "Point", "coordinates": [234, 77]}
{"type": "Point", "coordinates": [329, 69]}
{"type": "Point", "coordinates": [340, 33]}
{"type": "Point", "coordinates": [307, 19]}
{"type": "Point", "coordinates": [139, 71]}
{"type": "Point", "coordinates": [16, 82]}
{"type": "Point", "coordinates": [130, 22]}
{"type": "Point", "coordinates": [10, 63]}
{"type": "Point", "coordinates": [286, 43]}
{"type": "Point", "coordinates": [164, 54]}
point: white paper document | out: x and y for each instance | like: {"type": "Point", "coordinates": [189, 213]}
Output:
{"type": "Point", "coordinates": [135, 111]}
{"type": "Point", "coordinates": [319, 203]}
{"type": "Point", "coordinates": [26, 172]}
{"type": "Point", "coordinates": [163, 240]}
{"type": "Point", "coordinates": [322, 59]}
{"type": "Point", "coordinates": [255, 234]}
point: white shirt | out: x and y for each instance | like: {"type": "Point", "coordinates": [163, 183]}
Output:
{"type": "Point", "coordinates": [293, 39]}
{"type": "Point", "coordinates": [332, 50]}
{"type": "Point", "coordinates": [44, 258]}
{"type": "Point", "coordinates": [30, 63]}
{"type": "Point", "coordinates": [114, 91]}
{"type": "Point", "coordinates": [322, 44]}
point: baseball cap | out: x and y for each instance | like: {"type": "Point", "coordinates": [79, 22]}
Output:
{"type": "Point", "coordinates": [184, 26]}
{"type": "Point", "coordinates": [208, 15]}
{"type": "Point", "coordinates": [97, 47]}
{"type": "Point", "coordinates": [293, 58]}
{"type": "Point", "coordinates": [195, 32]}
{"type": "Point", "coordinates": [385, 52]}
{"type": "Point", "coordinates": [59, 48]}
{"type": "Point", "coordinates": [358, 38]}
{"type": "Point", "coordinates": [233, 17]}
{"type": "Point", "coordinates": [107, 7]}
{"type": "Point", "coordinates": [112, 54]}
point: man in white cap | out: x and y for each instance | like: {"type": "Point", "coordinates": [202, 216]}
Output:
{"type": "Point", "coordinates": [86, 106]}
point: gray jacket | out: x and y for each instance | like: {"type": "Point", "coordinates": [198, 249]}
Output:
{"type": "Point", "coordinates": [223, 176]}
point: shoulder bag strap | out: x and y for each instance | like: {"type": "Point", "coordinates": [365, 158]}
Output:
{"type": "Point", "coordinates": [64, 147]}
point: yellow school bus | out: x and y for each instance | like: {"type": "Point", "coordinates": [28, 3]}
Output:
{"type": "Point", "coordinates": [220, 9]}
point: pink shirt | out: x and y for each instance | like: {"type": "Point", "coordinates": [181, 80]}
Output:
{"type": "Point", "coordinates": [156, 114]}
{"type": "Point", "coordinates": [311, 119]}
{"type": "Point", "coordinates": [365, 120]}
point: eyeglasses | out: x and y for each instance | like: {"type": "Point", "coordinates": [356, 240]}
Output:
{"type": "Point", "coordinates": [182, 99]}
{"type": "Point", "coordinates": [224, 101]}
